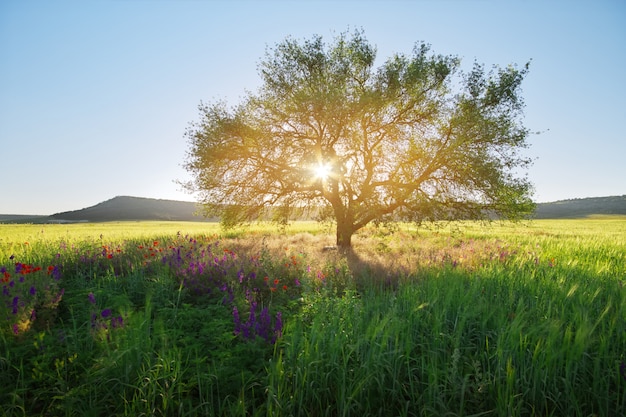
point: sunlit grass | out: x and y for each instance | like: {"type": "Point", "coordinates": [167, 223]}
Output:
{"type": "Point", "coordinates": [525, 319]}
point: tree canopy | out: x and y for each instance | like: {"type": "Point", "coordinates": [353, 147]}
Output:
{"type": "Point", "coordinates": [416, 138]}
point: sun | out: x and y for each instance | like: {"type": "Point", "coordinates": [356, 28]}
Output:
{"type": "Point", "coordinates": [321, 171]}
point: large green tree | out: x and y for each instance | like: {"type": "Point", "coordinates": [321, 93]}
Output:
{"type": "Point", "coordinates": [416, 138]}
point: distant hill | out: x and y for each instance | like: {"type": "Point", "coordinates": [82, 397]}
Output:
{"type": "Point", "coordinates": [132, 208]}
{"type": "Point", "coordinates": [21, 218]}
{"type": "Point", "coordinates": [582, 207]}
{"type": "Point", "coordinates": [126, 208]}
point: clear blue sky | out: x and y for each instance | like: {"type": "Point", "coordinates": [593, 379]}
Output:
{"type": "Point", "coordinates": [95, 96]}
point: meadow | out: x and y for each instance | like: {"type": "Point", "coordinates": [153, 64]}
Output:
{"type": "Point", "coordinates": [185, 319]}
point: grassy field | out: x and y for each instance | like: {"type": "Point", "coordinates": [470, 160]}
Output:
{"type": "Point", "coordinates": [183, 319]}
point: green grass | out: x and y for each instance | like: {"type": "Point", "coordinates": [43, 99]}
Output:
{"type": "Point", "coordinates": [508, 320]}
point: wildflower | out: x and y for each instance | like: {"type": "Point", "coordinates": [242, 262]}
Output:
{"type": "Point", "coordinates": [262, 326]}
{"type": "Point", "coordinates": [284, 288]}
{"type": "Point", "coordinates": [56, 272]}
{"type": "Point", "coordinates": [106, 313]}
{"type": "Point", "coordinates": [32, 290]}
{"type": "Point", "coordinates": [117, 322]}
{"type": "Point", "coordinates": [278, 328]}
{"type": "Point", "coordinates": [16, 329]}
{"type": "Point", "coordinates": [276, 281]}
{"type": "Point", "coordinates": [92, 298]}
{"type": "Point", "coordinates": [237, 321]}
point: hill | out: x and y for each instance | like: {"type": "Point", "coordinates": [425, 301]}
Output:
{"type": "Point", "coordinates": [582, 207]}
{"type": "Point", "coordinates": [126, 208]}
{"type": "Point", "coordinates": [132, 208]}
{"type": "Point", "coordinates": [21, 218]}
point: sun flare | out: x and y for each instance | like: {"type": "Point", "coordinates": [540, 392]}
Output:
{"type": "Point", "coordinates": [321, 171]}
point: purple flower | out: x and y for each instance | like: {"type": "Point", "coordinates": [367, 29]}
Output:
{"type": "Point", "coordinates": [106, 313]}
{"type": "Point", "coordinates": [237, 321]}
{"type": "Point", "coordinates": [262, 326]}
{"type": "Point", "coordinates": [278, 328]}
{"type": "Point", "coordinates": [92, 298]}
{"type": "Point", "coordinates": [56, 272]}
{"type": "Point", "coordinates": [117, 322]}
{"type": "Point", "coordinates": [16, 329]}
{"type": "Point", "coordinates": [32, 290]}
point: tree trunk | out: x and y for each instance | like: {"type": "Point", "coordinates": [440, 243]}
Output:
{"type": "Point", "coordinates": [344, 235]}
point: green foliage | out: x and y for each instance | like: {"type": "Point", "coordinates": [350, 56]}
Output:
{"type": "Point", "coordinates": [415, 138]}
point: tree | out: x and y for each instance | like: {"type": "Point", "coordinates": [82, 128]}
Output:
{"type": "Point", "coordinates": [416, 138]}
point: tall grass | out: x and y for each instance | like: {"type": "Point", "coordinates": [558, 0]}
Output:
{"type": "Point", "coordinates": [504, 321]}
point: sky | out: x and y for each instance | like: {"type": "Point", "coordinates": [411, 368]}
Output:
{"type": "Point", "coordinates": [95, 96]}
